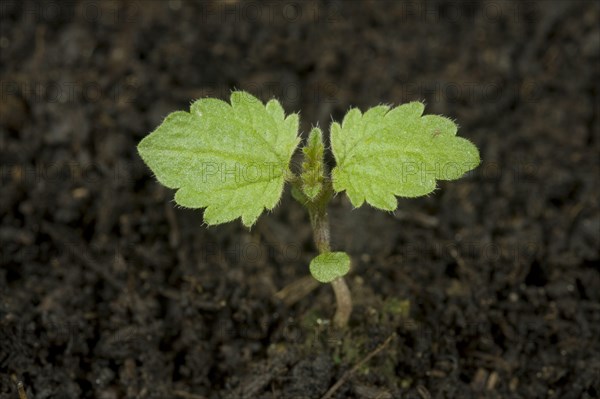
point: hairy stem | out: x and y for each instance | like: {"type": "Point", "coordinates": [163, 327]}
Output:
{"type": "Point", "coordinates": [319, 221]}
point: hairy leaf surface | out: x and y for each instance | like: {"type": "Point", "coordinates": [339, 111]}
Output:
{"type": "Point", "coordinates": [228, 158]}
{"type": "Point", "coordinates": [329, 266]}
{"type": "Point", "coordinates": [385, 153]}
{"type": "Point", "coordinates": [312, 166]}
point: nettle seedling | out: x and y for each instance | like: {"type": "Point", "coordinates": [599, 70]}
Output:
{"type": "Point", "coordinates": [234, 160]}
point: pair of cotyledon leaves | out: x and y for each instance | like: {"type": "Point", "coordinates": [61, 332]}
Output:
{"type": "Point", "coordinates": [233, 159]}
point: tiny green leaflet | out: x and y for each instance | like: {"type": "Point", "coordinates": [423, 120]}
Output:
{"type": "Point", "coordinates": [231, 159]}
{"type": "Point", "coordinates": [312, 166]}
{"type": "Point", "coordinates": [386, 153]}
{"type": "Point", "coordinates": [330, 265]}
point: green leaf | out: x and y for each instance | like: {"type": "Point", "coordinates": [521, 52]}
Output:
{"type": "Point", "coordinates": [230, 159]}
{"type": "Point", "coordinates": [385, 153]}
{"type": "Point", "coordinates": [329, 266]}
{"type": "Point", "coordinates": [312, 165]}
{"type": "Point", "coordinates": [299, 195]}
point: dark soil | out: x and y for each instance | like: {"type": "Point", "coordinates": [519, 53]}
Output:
{"type": "Point", "coordinates": [491, 285]}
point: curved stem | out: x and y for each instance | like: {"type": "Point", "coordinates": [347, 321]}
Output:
{"type": "Point", "coordinates": [344, 302]}
{"type": "Point", "coordinates": [319, 221]}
